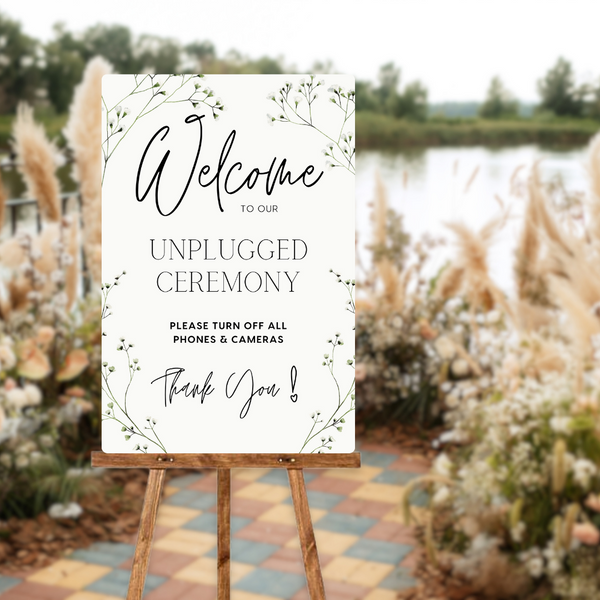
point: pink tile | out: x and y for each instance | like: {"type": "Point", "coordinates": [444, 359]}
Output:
{"type": "Point", "coordinates": [23, 573]}
{"type": "Point", "coordinates": [411, 560]}
{"type": "Point", "coordinates": [336, 590]}
{"type": "Point", "coordinates": [364, 508]}
{"type": "Point", "coordinates": [36, 591]}
{"type": "Point", "coordinates": [173, 589]}
{"type": "Point", "coordinates": [389, 531]}
{"type": "Point", "coordinates": [334, 485]}
{"type": "Point", "coordinates": [411, 464]}
{"type": "Point", "coordinates": [163, 563]}
{"type": "Point", "coordinates": [270, 533]}
{"type": "Point", "coordinates": [208, 483]}
{"type": "Point", "coordinates": [159, 532]}
{"type": "Point", "coordinates": [288, 560]}
{"type": "Point", "coordinates": [199, 591]}
{"type": "Point", "coordinates": [246, 507]}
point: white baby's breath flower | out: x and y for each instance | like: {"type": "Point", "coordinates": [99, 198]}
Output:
{"type": "Point", "coordinates": [69, 510]}
{"type": "Point", "coordinates": [442, 465]}
{"type": "Point", "coordinates": [583, 471]}
{"type": "Point", "coordinates": [7, 357]}
{"type": "Point", "coordinates": [17, 398]}
{"type": "Point", "coordinates": [444, 347]}
{"type": "Point", "coordinates": [560, 424]}
{"type": "Point", "coordinates": [441, 496]}
{"type": "Point", "coordinates": [6, 460]}
{"type": "Point", "coordinates": [33, 393]}
{"type": "Point", "coordinates": [22, 461]}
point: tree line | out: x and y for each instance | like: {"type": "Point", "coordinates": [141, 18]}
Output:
{"type": "Point", "coordinates": [46, 73]}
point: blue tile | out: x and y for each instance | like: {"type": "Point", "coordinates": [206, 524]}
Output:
{"type": "Point", "coordinates": [320, 499]}
{"type": "Point", "coordinates": [395, 477]}
{"type": "Point", "coordinates": [124, 550]}
{"type": "Point", "coordinates": [280, 477]}
{"type": "Point", "coordinates": [208, 522]}
{"type": "Point", "coordinates": [271, 583]}
{"type": "Point", "coordinates": [185, 480]}
{"type": "Point", "coordinates": [377, 459]}
{"type": "Point", "coordinates": [192, 499]}
{"type": "Point", "coordinates": [398, 579]}
{"type": "Point", "coordinates": [8, 582]}
{"type": "Point", "coordinates": [246, 551]}
{"type": "Point", "coordinates": [109, 554]}
{"type": "Point", "coordinates": [419, 497]}
{"type": "Point", "coordinates": [97, 558]}
{"type": "Point", "coordinates": [116, 583]}
{"type": "Point", "coordinates": [342, 523]}
{"type": "Point", "coordinates": [378, 551]}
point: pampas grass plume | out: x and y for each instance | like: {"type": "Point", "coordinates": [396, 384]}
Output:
{"type": "Point", "coordinates": [84, 135]}
{"type": "Point", "coordinates": [36, 163]}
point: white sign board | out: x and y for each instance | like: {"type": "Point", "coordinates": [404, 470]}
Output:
{"type": "Point", "coordinates": [228, 263]}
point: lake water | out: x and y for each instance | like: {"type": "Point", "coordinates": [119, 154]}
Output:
{"type": "Point", "coordinates": [431, 186]}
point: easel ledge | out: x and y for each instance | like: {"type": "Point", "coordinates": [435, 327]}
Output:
{"type": "Point", "coordinates": [223, 463]}
{"type": "Point", "coordinates": [226, 461]}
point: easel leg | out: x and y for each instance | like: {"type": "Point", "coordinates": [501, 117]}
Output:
{"type": "Point", "coordinates": [141, 557]}
{"type": "Point", "coordinates": [306, 534]}
{"type": "Point", "coordinates": [223, 533]}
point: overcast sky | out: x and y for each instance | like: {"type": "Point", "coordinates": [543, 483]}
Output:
{"type": "Point", "coordinates": [453, 46]}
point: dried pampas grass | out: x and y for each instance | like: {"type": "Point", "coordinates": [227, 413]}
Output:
{"type": "Point", "coordinates": [3, 199]}
{"type": "Point", "coordinates": [393, 293]}
{"type": "Point", "coordinates": [84, 135]}
{"type": "Point", "coordinates": [594, 174]}
{"type": "Point", "coordinates": [469, 273]}
{"type": "Point", "coordinates": [72, 271]}
{"type": "Point", "coordinates": [36, 164]}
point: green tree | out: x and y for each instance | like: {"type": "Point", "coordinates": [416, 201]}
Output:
{"type": "Point", "coordinates": [155, 54]}
{"type": "Point", "coordinates": [558, 92]}
{"type": "Point", "coordinates": [263, 66]}
{"type": "Point", "coordinates": [387, 92]}
{"type": "Point", "coordinates": [64, 67]}
{"type": "Point", "coordinates": [499, 102]}
{"type": "Point", "coordinates": [412, 103]}
{"type": "Point", "coordinates": [365, 98]}
{"type": "Point", "coordinates": [200, 55]}
{"type": "Point", "coordinates": [20, 60]}
{"type": "Point", "coordinates": [593, 104]}
{"type": "Point", "coordinates": [113, 42]}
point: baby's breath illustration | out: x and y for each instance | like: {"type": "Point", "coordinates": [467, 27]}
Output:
{"type": "Point", "coordinates": [295, 105]}
{"type": "Point", "coordinates": [321, 434]}
{"type": "Point", "coordinates": [116, 409]}
{"type": "Point", "coordinates": [159, 90]}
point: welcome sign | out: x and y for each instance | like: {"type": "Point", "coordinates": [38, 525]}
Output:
{"type": "Point", "coordinates": [228, 263]}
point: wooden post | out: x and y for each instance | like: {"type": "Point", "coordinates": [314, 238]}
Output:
{"type": "Point", "coordinates": [158, 463]}
{"type": "Point", "coordinates": [141, 557]}
{"type": "Point", "coordinates": [223, 533]}
{"type": "Point", "coordinates": [312, 567]}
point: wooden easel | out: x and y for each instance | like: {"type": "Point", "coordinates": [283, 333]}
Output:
{"type": "Point", "coordinates": [157, 463]}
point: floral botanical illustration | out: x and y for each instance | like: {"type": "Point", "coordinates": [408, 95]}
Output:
{"type": "Point", "coordinates": [156, 90]}
{"type": "Point", "coordinates": [145, 435]}
{"type": "Point", "coordinates": [321, 434]}
{"type": "Point", "coordinates": [295, 105]}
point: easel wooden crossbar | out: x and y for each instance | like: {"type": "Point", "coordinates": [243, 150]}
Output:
{"type": "Point", "coordinates": [223, 463]}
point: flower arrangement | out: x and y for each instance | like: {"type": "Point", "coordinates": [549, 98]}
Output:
{"type": "Point", "coordinates": [49, 344]}
{"type": "Point", "coordinates": [517, 492]}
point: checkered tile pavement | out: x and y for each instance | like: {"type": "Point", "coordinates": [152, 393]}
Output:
{"type": "Point", "coordinates": [365, 550]}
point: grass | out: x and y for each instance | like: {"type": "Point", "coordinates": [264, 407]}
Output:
{"type": "Point", "coordinates": [53, 123]}
{"type": "Point", "coordinates": [380, 131]}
